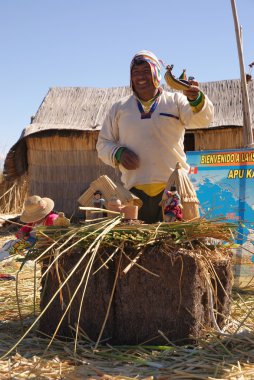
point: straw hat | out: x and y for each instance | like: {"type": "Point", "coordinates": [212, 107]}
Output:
{"type": "Point", "coordinates": [36, 208]}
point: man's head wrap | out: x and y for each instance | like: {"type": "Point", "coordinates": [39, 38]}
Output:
{"type": "Point", "coordinates": [148, 56]}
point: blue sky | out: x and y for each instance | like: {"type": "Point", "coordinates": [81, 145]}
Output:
{"type": "Point", "coordinates": [48, 43]}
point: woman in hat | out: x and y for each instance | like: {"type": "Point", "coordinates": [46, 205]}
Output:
{"type": "Point", "coordinates": [37, 212]}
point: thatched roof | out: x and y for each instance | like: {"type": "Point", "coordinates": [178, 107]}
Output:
{"type": "Point", "coordinates": [108, 189]}
{"type": "Point", "coordinates": [76, 109]}
{"type": "Point", "coordinates": [227, 99]}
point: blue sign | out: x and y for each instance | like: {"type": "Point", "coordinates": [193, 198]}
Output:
{"type": "Point", "coordinates": [224, 182]}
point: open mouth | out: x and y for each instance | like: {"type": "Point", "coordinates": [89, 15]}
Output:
{"type": "Point", "coordinates": [141, 83]}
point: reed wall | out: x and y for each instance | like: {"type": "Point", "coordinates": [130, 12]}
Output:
{"type": "Point", "coordinates": [12, 195]}
{"type": "Point", "coordinates": [217, 139]}
{"type": "Point", "coordinates": [62, 168]}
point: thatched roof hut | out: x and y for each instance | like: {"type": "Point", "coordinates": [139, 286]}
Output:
{"type": "Point", "coordinates": [226, 131]}
{"type": "Point", "coordinates": [57, 150]}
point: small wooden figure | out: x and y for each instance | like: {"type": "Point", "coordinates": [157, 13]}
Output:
{"type": "Point", "coordinates": [98, 202]}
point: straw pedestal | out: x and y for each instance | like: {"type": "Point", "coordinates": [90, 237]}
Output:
{"type": "Point", "coordinates": [190, 210]}
{"type": "Point", "coordinates": [176, 301]}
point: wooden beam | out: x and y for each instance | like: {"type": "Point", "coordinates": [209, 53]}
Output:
{"type": "Point", "coordinates": [247, 127]}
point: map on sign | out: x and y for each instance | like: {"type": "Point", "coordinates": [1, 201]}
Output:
{"type": "Point", "coordinates": [224, 182]}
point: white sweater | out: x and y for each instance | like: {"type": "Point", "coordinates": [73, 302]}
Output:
{"type": "Point", "coordinates": [157, 141]}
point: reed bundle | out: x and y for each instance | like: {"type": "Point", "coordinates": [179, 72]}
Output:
{"type": "Point", "coordinates": [110, 232]}
{"type": "Point", "coordinates": [136, 235]}
{"type": "Point", "coordinates": [12, 196]}
{"type": "Point", "coordinates": [216, 356]}
{"type": "Point", "coordinates": [227, 357]}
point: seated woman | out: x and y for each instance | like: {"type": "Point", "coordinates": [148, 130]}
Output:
{"type": "Point", "coordinates": [37, 212]}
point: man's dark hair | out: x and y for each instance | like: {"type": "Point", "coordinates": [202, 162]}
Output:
{"type": "Point", "coordinates": [97, 192]}
{"type": "Point", "coordinates": [138, 61]}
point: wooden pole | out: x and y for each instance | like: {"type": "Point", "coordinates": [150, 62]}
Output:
{"type": "Point", "coordinates": [247, 127]}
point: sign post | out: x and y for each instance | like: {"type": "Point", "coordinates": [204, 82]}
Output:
{"type": "Point", "coordinates": [247, 127]}
{"type": "Point", "coordinates": [224, 183]}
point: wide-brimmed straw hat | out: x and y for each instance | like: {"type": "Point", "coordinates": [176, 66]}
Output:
{"type": "Point", "coordinates": [36, 208]}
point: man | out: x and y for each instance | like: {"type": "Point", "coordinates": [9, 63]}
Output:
{"type": "Point", "coordinates": [144, 132]}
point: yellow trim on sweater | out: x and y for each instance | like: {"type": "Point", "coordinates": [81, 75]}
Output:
{"type": "Point", "coordinates": [147, 104]}
{"type": "Point", "coordinates": [152, 189]}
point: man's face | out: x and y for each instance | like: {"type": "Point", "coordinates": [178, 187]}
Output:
{"type": "Point", "coordinates": [141, 78]}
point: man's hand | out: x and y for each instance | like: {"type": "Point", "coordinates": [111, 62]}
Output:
{"type": "Point", "coordinates": [129, 159]}
{"type": "Point", "coordinates": [193, 91]}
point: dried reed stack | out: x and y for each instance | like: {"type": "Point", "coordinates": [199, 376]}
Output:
{"type": "Point", "coordinates": [12, 195]}
{"type": "Point", "coordinates": [231, 357]}
{"type": "Point", "coordinates": [189, 200]}
{"type": "Point", "coordinates": [140, 260]}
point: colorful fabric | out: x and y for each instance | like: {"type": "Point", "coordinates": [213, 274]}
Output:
{"type": "Point", "coordinates": [27, 228]}
{"type": "Point", "coordinates": [49, 220]}
{"type": "Point", "coordinates": [146, 108]}
{"type": "Point", "coordinates": [24, 231]}
{"type": "Point", "coordinates": [119, 153]}
{"type": "Point", "coordinates": [6, 277]}
{"type": "Point", "coordinates": [173, 209]}
{"type": "Point", "coordinates": [16, 247]}
{"type": "Point", "coordinates": [26, 238]}
{"type": "Point", "coordinates": [144, 114]}
{"type": "Point", "coordinates": [148, 56]}
{"type": "Point", "coordinates": [147, 104]}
